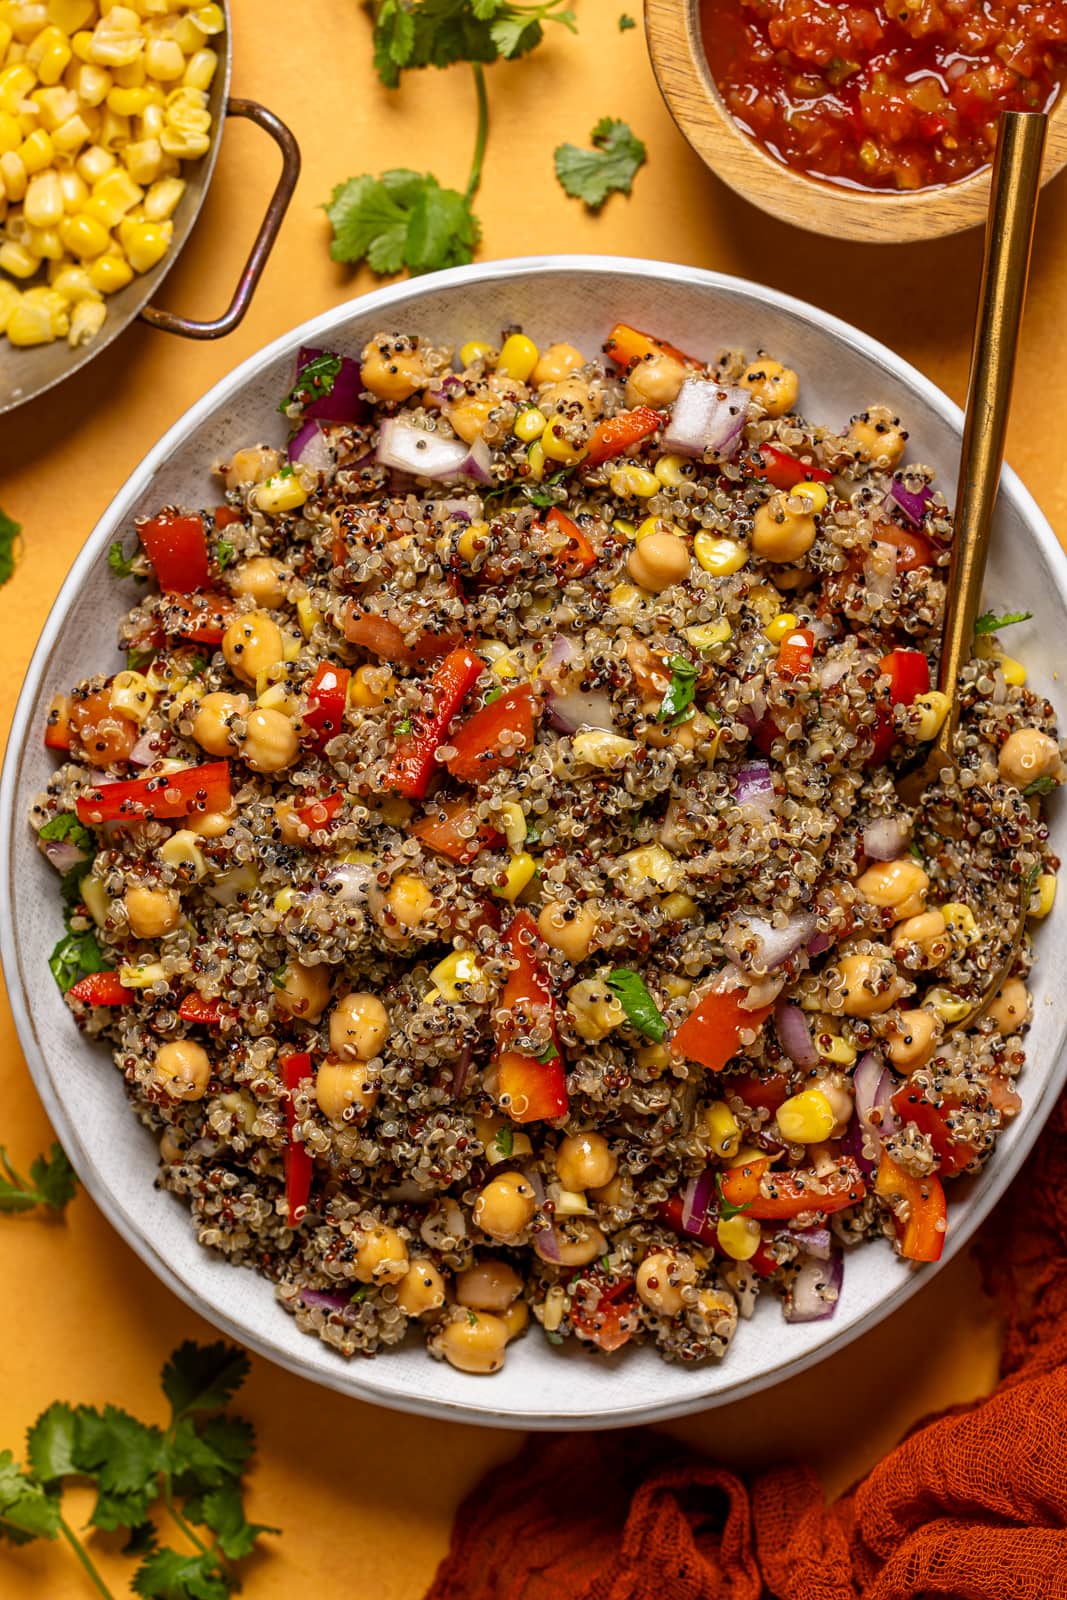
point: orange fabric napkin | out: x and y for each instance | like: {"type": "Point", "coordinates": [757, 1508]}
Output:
{"type": "Point", "coordinates": [971, 1505]}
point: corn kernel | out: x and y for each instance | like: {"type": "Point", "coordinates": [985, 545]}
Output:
{"type": "Point", "coordinates": [738, 1237]}
{"type": "Point", "coordinates": [933, 708]}
{"type": "Point", "coordinates": [209, 19]}
{"type": "Point", "coordinates": [200, 69]}
{"type": "Point", "coordinates": [9, 299]}
{"type": "Point", "coordinates": [92, 164]}
{"type": "Point", "coordinates": [16, 260]}
{"type": "Point", "coordinates": [16, 81]}
{"type": "Point", "coordinates": [650, 863]}
{"type": "Point", "coordinates": [597, 748]}
{"type": "Point", "coordinates": [81, 43]}
{"type": "Point", "coordinates": [43, 205]}
{"type": "Point", "coordinates": [91, 888]}
{"type": "Point", "coordinates": [559, 448]}
{"type": "Point", "coordinates": [677, 988]}
{"type": "Point", "coordinates": [723, 1128]}
{"type": "Point", "coordinates": [163, 60]}
{"type": "Point", "coordinates": [52, 303]}
{"type": "Point", "coordinates": [1014, 671]}
{"type": "Point", "coordinates": [13, 174]}
{"type": "Point", "coordinates": [143, 976]}
{"type": "Point", "coordinates": [182, 850]}
{"type": "Point", "coordinates": [518, 357]}
{"type": "Point", "coordinates": [187, 146]}
{"type": "Point", "coordinates": [150, 125]}
{"type": "Point", "coordinates": [535, 458]}
{"type": "Point", "coordinates": [475, 350]}
{"type": "Point", "coordinates": [678, 907]}
{"type": "Point", "coordinates": [162, 198]}
{"type": "Point", "coordinates": [959, 919]}
{"type": "Point", "coordinates": [54, 105]}
{"type": "Point", "coordinates": [110, 273]}
{"type": "Point", "coordinates": [84, 236]}
{"type": "Point", "coordinates": [87, 317]}
{"type": "Point", "coordinates": [37, 151]}
{"type": "Point", "coordinates": [672, 471]}
{"type": "Point", "coordinates": [627, 596]}
{"type": "Point", "coordinates": [132, 694]}
{"type": "Point", "coordinates": [280, 493]}
{"type": "Point", "coordinates": [70, 15]}
{"type": "Point", "coordinates": [629, 483]}
{"type": "Point", "coordinates": [130, 102]}
{"type": "Point", "coordinates": [624, 528]}
{"type": "Point", "coordinates": [513, 821]}
{"type": "Point", "coordinates": [706, 635]}
{"type": "Point", "coordinates": [455, 973]}
{"type": "Point", "coordinates": [529, 424]}
{"type": "Point", "coordinates": [832, 1047]}
{"type": "Point", "coordinates": [130, 74]}
{"type": "Point", "coordinates": [1044, 895]}
{"type": "Point", "coordinates": [505, 666]}
{"type": "Point", "coordinates": [719, 557]}
{"type": "Point", "coordinates": [307, 615]}
{"type": "Point", "coordinates": [776, 631]}
{"type": "Point", "coordinates": [292, 644]}
{"type": "Point", "coordinates": [283, 900]}
{"type": "Point", "coordinates": [114, 131]}
{"type": "Point", "coordinates": [276, 697]}
{"type": "Point", "coordinates": [569, 1202]}
{"type": "Point", "coordinates": [816, 493]}
{"type": "Point", "coordinates": [50, 53]}
{"type": "Point", "coordinates": [29, 324]}
{"type": "Point", "coordinates": [656, 525]}
{"type": "Point", "coordinates": [10, 132]}
{"type": "Point", "coordinates": [948, 1006]}
{"type": "Point", "coordinates": [143, 159]}
{"type": "Point", "coordinates": [148, 243]}
{"type": "Point", "coordinates": [70, 135]}
{"type": "Point", "coordinates": [806, 1118]}
{"type": "Point", "coordinates": [521, 870]}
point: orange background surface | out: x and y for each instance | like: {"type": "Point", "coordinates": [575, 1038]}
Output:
{"type": "Point", "coordinates": [365, 1497]}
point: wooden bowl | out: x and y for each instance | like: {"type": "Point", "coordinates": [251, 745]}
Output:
{"type": "Point", "coordinates": [875, 215]}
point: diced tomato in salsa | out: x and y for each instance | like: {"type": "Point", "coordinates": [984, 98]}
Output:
{"type": "Point", "coordinates": [299, 1166]}
{"type": "Point", "coordinates": [793, 1191]}
{"type": "Point", "coordinates": [908, 672]}
{"type": "Point", "coordinates": [576, 554]}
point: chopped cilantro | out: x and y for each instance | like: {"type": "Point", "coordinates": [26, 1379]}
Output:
{"type": "Point", "coordinates": [118, 563]}
{"type": "Point", "coordinates": [198, 666]}
{"type": "Point", "coordinates": [65, 825]}
{"type": "Point", "coordinates": [641, 1010]}
{"type": "Point", "coordinates": [74, 957]}
{"type": "Point", "coordinates": [626, 22]}
{"type": "Point", "coordinates": [726, 1209]}
{"type": "Point", "coordinates": [9, 538]}
{"type": "Point", "coordinates": [989, 622]}
{"type": "Point", "coordinates": [492, 694]}
{"type": "Point", "coordinates": [136, 659]}
{"type": "Point", "coordinates": [677, 703]}
{"type": "Point", "coordinates": [1043, 785]}
{"type": "Point", "coordinates": [403, 726]}
{"type": "Point", "coordinates": [504, 1142]}
{"type": "Point", "coordinates": [609, 168]}
{"type": "Point", "coordinates": [224, 553]}
{"type": "Point", "coordinates": [314, 381]}
{"type": "Point", "coordinates": [549, 1053]}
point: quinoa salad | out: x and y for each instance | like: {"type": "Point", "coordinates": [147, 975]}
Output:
{"type": "Point", "coordinates": [488, 875]}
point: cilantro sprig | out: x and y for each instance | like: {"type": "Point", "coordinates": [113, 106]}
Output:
{"type": "Point", "coordinates": [989, 622]}
{"type": "Point", "coordinates": [609, 168]}
{"type": "Point", "coordinates": [642, 1012]}
{"type": "Point", "coordinates": [190, 1470]}
{"type": "Point", "coordinates": [677, 704]}
{"type": "Point", "coordinates": [51, 1183]}
{"type": "Point", "coordinates": [9, 540]}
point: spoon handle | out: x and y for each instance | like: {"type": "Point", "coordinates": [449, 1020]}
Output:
{"type": "Point", "coordinates": [1009, 237]}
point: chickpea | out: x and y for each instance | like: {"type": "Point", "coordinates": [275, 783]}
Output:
{"type": "Point", "coordinates": [372, 686]}
{"type": "Point", "coordinates": [171, 1148]}
{"type": "Point", "coordinates": [301, 991]}
{"type": "Point", "coordinates": [263, 579]}
{"type": "Point", "coordinates": [577, 1241]}
{"type": "Point", "coordinates": [382, 1257]}
{"type": "Point", "coordinates": [470, 417]}
{"type": "Point", "coordinates": [585, 1161]}
{"type": "Point", "coordinates": [152, 912]}
{"type": "Point", "coordinates": [571, 396]}
{"type": "Point", "coordinates": [774, 386]}
{"type": "Point", "coordinates": [655, 382]}
{"type": "Point", "coordinates": [838, 1098]}
{"type": "Point", "coordinates": [289, 824]}
{"type": "Point", "coordinates": [505, 1206]}
{"type": "Point", "coordinates": [489, 1285]}
{"type": "Point", "coordinates": [393, 369]}
{"type": "Point", "coordinates": [779, 534]}
{"type": "Point", "coordinates": [869, 984]}
{"type": "Point", "coordinates": [516, 1319]}
{"type": "Point", "coordinates": [717, 1306]}
{"type": "Point", "coordinates": [1010, 1011]}
{"type": "Point", "coordinates": [913, 1040]}
{"type": "Point", "coordinates": [900, 885]}
{"type": "Point", "coordinates": [359, 1027]}
{"type": "Point", "coordinates": [270, 743]}
{"type": "Point", "coordinates": [211, 824]}
{"type": "Point", "coordinates": [182, 1069]}
{"type": "Point", "coordinates": [611, 1194]}
{"type": "Point", "coordinates": [555, 363]}
{"type": "Point", "coordinates": [879, 435]}
{"type": "Point", "coordinates": [251, 644]}
{"type": "Point", "coordinates": [593, 1009]}
{"type": "Point", "coordinates": [923, 941]}
{"type": "Point", "coordinates": [661, 1278]}
{"type": "Point", "coordinates": [211, 724]}
{"type": "Point", "coordinates": [569, 929]}
{"type": "Point", "coordinates": [659, 561]}
{"type": "Point", "coordinates": [345, 1090]}
{"type": "Point", "coordinates": [403, 905]}
{"type": "Point", "coordinates": [254, 465]}
{"type": "Point", "coordinates": [1028, 754]}
{"type": "Point", "coordinates": [474, 1342]}
{"type": "Point", "coordinates": [421, 1289]}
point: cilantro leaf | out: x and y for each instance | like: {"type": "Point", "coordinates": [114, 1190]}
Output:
{"type": "Point", "coordinates": [437, 33]}
{"type": "Point", "coordinates": [641, 1010]}
{"type": "Point", "coordinates": [65, 825]}
{"type": "Point", "coordinates": [677, 703]}
{"type": "Point", "coordinates": [989, 622]}
{"type": "Point", "coordinates": [50, 1443]}
{"type": "Point", "coordinates": [74, 957]}
{"type": "Point", "coordinates": [128, 1510]}
{"type": "Point", "coordinates": [223, 1512]}
{"type": "Point", "coordinates": [124, 1456]}
{"type": "Point", "coordinates": [9, 538]}
{"type": "Point", "coordinates": [27, 1511]}
{"type": "Point", "coordinates": [626, 22]}
{"type": "Point", "coordinates": [202, 1377]}
{"type": "Point", "coordinates": [51, 1183]}
{"type": "Point", "coordinates": [610, 167]}
{"type": "Point", "coordinates": [224, 553]}
{"type": "Point", "coordinates": [136, 658]}
{"type": "Point", "coordinates": [172, 1575]}
{"type": "Point", "coordinates": [314, 381]}
{"type": "Point", "coordinates": [119, 563]}
{"type": "Point", "coordinates": [726, 1207]}
{"type": "Point", "coordinates": [402, 219]}
{"type": "Point", "coordinates": [1042, 785]}
{"type": "Point", "coordinates": [504, 1142]}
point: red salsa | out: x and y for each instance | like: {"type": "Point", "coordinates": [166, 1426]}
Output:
{"type": "Point", "coordinates": [903, 94]}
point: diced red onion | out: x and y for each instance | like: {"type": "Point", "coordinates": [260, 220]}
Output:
{"type": "Point", "coordinates": [814, 1290]}
{"type": "Point", "coordinates": [461, 1071]}
{"type": "Point", "coordinates": [546, 1243]}
{"type": "Point", "coordinates": [572, 710]}
{"type": "Point", "coordinates": [533, 1178]}
{"type": "Point", "coordinates": [754, 787]}
{"type": "Point", "coordinates": [146, 750]}
{"type": "Point", "coordinates": [348, 882]}
{"type": "Point", "coordinates": [814, 1242]}
{"type": "Point", "coordinates": [309, 447]}
{"type": "Point", "coordinates": [344, 402]}
{"type": "Point", "coordinates": [880, 570]}
{"type": "Point", "coordinates": [328, 1302]}
{"type": "Point", "coordinates": [820, 943]}
{"type": "Point", "coordinates": [561, 652]}
{"type": "Point", "coordinates": [873, 1085]}
{"type": "Point", "coordinates": [63, 855]}
{"type": "Point", "coordinates": [832, 669]}
{"type": "Point", "coordinates": [794, 1035]}
{"type": "Point", "coordinates": [886, 837]}
{"type": "Point", "coordinates": [696, 1198]}
{"type": "Point", "coordinates": [462, 510]}
{"type": "Point", "coordinates": [854, 1144]}
{"type": "Point", "coordinates": [912, 506]}
{"type": "Point", "coordinates": [406, 448]}
{"type": "Point", "coordinates": [447, 388]}
{"type": "Point", "coordinates": [707, 419]}
{"type": "Point", "coordinates": [774, 946]}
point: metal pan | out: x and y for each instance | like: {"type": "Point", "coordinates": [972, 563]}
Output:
{"type": "Point", "coordinates": [26, 373]}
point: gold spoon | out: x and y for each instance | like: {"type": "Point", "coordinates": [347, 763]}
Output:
{"type": "Point", "coordinates": [1016, 183]}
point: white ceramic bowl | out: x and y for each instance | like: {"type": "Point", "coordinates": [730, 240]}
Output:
{"type": "Point", "coordinates": [573, 298]}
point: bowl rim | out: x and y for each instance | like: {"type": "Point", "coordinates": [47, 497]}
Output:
{"type": "Point", "coordinates": [873, 216]}
{"type": "Point", "coordinates": [346, 1377]}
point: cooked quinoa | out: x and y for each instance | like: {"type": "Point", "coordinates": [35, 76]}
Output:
{"type": "Point", "coordinates": [542, 940]}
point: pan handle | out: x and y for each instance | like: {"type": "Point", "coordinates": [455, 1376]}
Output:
{"type": "Point", "coordinates": [169, 321]}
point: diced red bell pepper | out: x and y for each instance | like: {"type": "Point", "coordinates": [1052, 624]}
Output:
{"type": "Point", "coordinates": [620, 433]}
{"type": "Point", "coordinates": [528, 988]}
{"type": "Point", "coordinates": [318, 814]}
{"type": "Point", "coordinates": [953, 1154]}
{"type": "Point", "coordinates": [577, 555]}
{"type": "Point", "coordinates": [57, 725]}
{"type": "Point", "coordinates": [913, 549]}
{"type": "Point", "coordinates": [712, 1033]}
{"type": "Point", "coordinates": [758, 1093]}
{"type": "Point", "coordinates": [299, 1165]}
{"type": "Point", "coordinates": [225, 517]}
{"type": "Point", "coordinates": [625, 345]}
{"type": "Point", "coordinates": [1004, 1098]}
{"type": "Point", "coordinates": [794, 1191]}
{"type": "Point", "coordinates": [795, 653]}
{"type": "Point", "coordinates": [784, 471]}
{"type": "Point", "coordinates": [414, 763]}
{"type": "Point", "coordinates": [200, 618]}
{"type": "Point", "coordinates": [440, 830]}
{"type": "Point", "coordinates": [160, 799]}
{"type": "Point", "coordinates": [671, 1212]}
{"type": "Point", "coordinates": [529, 1090]}
{"type": "Point", "coordinates": [384, 639]}
{"type": "Point", "coordinates": [101, 989]}
{"type": "Point", "coordinates": [908, 672]}
{"type": "Point", "coordinates": [762, 1262]}
{"type": "Point", "coordinates": [922, 1236]}
{"type": "Point", "coordinates": [327, 698]}
{"type": "Point", "coordinates": [176, 545]}
{"type": "Point", "coordinates": [206, 1013]}
{"type": "Point", "coordinates": [613, 1318]}
{"type": "Point", "coordinates": [480, 741]}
